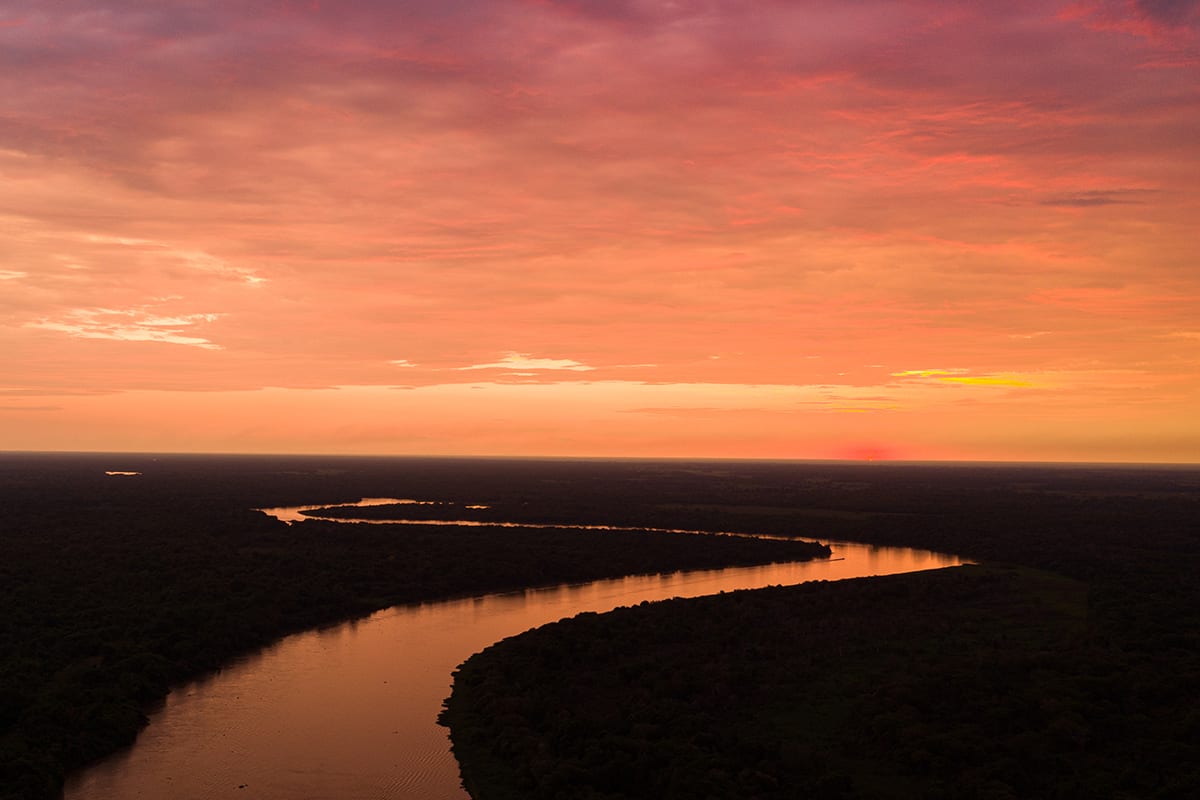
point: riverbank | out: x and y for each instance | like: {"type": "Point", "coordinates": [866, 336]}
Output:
{"type": "Point", "coordinates": [115, 588]}
{"type": "Point", "coordinates": [373, 689]}
{"type": "Point", "coordinates": [944, 684]}
{"type": "Point", "coordinates": [1072, 676]}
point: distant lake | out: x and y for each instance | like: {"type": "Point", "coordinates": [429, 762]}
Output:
{"type": "Point", "coordinates": [350, 711]}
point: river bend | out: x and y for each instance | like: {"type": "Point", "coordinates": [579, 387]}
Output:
{"type": "Point", "coordinates": [350, 711]}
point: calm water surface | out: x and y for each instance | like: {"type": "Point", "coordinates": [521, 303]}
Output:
{"type": "Point", "coordinates": [350, 711]}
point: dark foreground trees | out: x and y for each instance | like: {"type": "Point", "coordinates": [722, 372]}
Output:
{"type": "Point", "coordinates": [1079, 678]}
{"type": "Point", "coordinates": [112, 590]}
{"type": "Point", "coordinates": [969, 682]}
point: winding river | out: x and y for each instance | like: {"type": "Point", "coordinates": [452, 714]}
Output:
{"type": "Point", "coordinates": [351, 711]}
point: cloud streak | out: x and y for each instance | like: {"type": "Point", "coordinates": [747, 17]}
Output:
{"type": "Point", "coordinates": [129, 325]}
{"type": "Point", "coordinates": [525, 362]}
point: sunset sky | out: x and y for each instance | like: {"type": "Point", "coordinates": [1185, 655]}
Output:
{"type": "Point", "coordinates": [851, 229]}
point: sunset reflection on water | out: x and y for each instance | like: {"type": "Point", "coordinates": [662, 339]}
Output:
{"type": "Point", "coordinates": [351, 710]}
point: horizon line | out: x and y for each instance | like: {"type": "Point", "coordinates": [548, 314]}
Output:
{"type": "Point", "coordinates": [539, 457]}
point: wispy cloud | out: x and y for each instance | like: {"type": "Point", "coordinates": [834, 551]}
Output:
{"type": "Point", "coordinates": [1100, 197]}
{"type": "Point", "coordinates": [526, 362]}
{"type": "Point", "coordinates": [988, 380]}
{"type": "Point", "coordinates": [963, 377]}
{"type": "Point", "coordinates": [192, 259]}
{"type": "Point", "coordinates": [928, 373]}
{"type": "Point", "coordinates": [130, 325]}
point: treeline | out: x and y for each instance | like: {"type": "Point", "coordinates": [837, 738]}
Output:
{"type": "Point", "coordinates": [113, 589]}
{"type": "Point", "coordinates": [948, 684]}
{"type": "Point", "coordinates": [986, 683]}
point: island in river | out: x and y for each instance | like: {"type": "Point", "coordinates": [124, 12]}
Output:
{"type": "Point", "coordinates": [117, 586]}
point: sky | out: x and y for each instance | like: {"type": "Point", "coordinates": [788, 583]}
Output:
{"type": "Point", "coordinates": [730, 229]}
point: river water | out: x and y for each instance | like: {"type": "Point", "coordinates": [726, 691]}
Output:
{"type": "Point", "coordinates": [350, 711]}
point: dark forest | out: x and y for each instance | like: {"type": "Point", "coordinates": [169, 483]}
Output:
{"type": "Point", "coordinates": [1066, 664]}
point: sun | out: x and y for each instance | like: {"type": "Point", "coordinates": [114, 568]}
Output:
{"type": "Point", "coordinates": [869, 451]}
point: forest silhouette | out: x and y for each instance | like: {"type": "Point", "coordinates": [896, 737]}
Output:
{"type": "Point", "coordinates": [1068, 663]}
